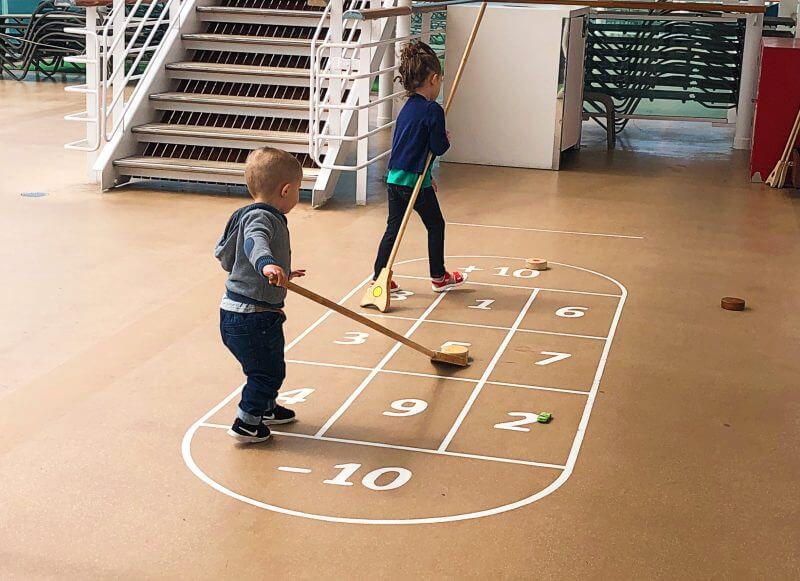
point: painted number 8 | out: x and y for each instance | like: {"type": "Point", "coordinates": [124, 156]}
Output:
{"type": "Point", "coordinates": [572, 312]}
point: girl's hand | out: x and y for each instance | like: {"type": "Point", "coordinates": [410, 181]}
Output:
{"type": "Point", "coordinates": [297, 273]}
{"type": "Point", "coordinates": [435, 186]}
{"type": "Point", "coordinates": [275, 275]}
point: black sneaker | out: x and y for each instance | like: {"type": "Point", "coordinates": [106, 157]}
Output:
{"type": "Point", "coordinates": [249, 433]}
{"type": "Point", "coordinates": [279, 415]}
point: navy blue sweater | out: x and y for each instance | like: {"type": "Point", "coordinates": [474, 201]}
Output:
{"type": "Point", "coordinates": [420, 128]}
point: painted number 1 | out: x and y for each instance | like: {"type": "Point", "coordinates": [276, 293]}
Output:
{"type": "Point", "coordinates": [370, 480]}
{"type": "Point", "coordinates": [555, 356]}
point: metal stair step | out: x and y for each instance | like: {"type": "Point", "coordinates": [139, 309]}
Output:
{"type": "Point", "coordinates": [193, 170]}
{"type": "Point", "coordinates": [294, 142]}
{"type": "Point", "coordinates": [229, 69]}
{"type": "Point", "coordinates": [246, 43]}
{"type": "Point", "coordinates": [258, 15]}
{"type": "Point", "coordinates": [221, 133]}
{"type": "Point", "coordinates": [230, 104]}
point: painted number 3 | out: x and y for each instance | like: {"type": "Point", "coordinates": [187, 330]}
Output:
{"type": "Point", "coordinates": [353, 338]}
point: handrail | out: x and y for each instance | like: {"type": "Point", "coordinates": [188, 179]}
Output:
{"type": "Point", "coordinates": [671, 6]}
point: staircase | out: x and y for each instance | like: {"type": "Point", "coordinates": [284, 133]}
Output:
{"type": "Point", "coordinates": [241, 82]}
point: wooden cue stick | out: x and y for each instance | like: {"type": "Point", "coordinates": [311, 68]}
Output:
{"type": "Point", "coordinates": [792, 138]}
{"type": "Point", "coordinates": [429, 159]}
{"type": "Point", "coordinates": [374, 13]}
{"type": "Point", "coordinates": [359, 318]}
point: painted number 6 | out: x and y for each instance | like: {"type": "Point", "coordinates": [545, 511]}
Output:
{"type": "Point", "coordinates": [572, 312]}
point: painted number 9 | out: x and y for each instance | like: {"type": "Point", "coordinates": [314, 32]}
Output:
{"type": "Point", "coordinates": [572, 312]}
{"type": "Point", "coordinates": [406, 407]}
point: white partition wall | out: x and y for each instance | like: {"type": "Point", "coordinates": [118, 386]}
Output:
{"type": "Point", "coordinates": [521, 95]}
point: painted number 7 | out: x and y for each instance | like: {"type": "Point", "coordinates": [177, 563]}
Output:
{"type": "Point", "coordinates": [554, 357]}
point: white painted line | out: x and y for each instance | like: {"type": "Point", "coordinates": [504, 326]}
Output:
{"type": "Point", "coordinates": [293, 469]}
{"type": "Point", "coordinates": [561, 334]}
{"type": "Point", "coordinates": [433, 376]}
{"type": "Point", "coordinates": [478, 326]}
{"type": "Point", "coordinates": [539, 387]}
{"type": "Point", "coordinates": [546, 230]}
{"type": "Point", "coordinates": [335, 365]}
{"type": "Point", "coordinates": [489, 368]}
{"type": "Point", "coordinates": [422, 450]}
{"type": "Point", "coordinates": [527, 288]}
{"type": "Point", "coordinates": [349, 401]}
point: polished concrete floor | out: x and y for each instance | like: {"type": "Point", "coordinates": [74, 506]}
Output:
{"type": "Point", "coordinates": [113, 379]}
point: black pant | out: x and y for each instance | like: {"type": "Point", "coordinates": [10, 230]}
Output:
{"type": "Point", "coordinates": [256, 340]}
{"type": "Point", "coordinates": [427, 206]}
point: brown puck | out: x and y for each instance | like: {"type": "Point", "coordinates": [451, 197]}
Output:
{"type": "Point", "coordinates": [536, 263]}
{"type": "Point", "coordinates": [732, 304]}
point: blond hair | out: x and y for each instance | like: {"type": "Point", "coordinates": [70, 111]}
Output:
{"type": "Point", "coordinates": [268, 170]}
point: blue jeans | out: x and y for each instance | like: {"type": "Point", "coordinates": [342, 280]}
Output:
{"type": "Point", "coordinates": [256, 340]}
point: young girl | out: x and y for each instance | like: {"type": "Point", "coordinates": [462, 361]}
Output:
{"type": "Point", "coordinates": [420, 129]}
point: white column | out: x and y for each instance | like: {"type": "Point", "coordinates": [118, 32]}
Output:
{"type": "Point", "coordinates": [747, 86]}
{"type": "Point", "coordinates": [403, 29]}
{"type": "Point", "coordinates": [92, 132]}
{"type": "Point", "coordinates": [363, 87]}
{"type": "Point", "coordinates": [386, 82]}
{"type": "Point", "coordinates": [336, 67]}
{"type": "Point", "coordinates": [118, 65]}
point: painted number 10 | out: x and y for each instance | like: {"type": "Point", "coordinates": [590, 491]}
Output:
{"type": "Point", "coordinates": [370, 480]}
{"type": "Point", "coordinates": [520, 273]}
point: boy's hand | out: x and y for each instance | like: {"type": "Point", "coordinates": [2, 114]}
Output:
{"type": "Point", "coordinates": [275, 275]}
{"type": "Point", "coordinates": [297, 273]}
{"type": "Point", "coordinates": [435, 186]}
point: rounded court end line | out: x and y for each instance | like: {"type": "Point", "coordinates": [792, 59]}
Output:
{"type": "Point", "coordinates": [528, 500]}
{"type": "Point", "coordinates": [600, 234]}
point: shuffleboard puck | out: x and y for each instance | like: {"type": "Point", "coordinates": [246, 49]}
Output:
{"type": "Point", "coordinates": [732, 304]}
{"type": "Point", "coordinates": [536, 263]}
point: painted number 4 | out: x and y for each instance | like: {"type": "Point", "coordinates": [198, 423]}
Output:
{"type": "Point", "coordinates": [295, 396]}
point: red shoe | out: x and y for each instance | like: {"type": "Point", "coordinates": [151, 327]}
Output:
{"type": "Point", "coordinates": [394, 286]}
{"type": "Point", "coordinates": [447, 282]}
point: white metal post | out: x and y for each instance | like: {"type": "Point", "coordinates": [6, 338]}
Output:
{"type": "Point", "coordinates": [386, 82]}
{"type": "Point", "coordinates": [92, 83]}
{"type": "Point", "coordinates": [336, 66]}
{"type": "Point", "coordinates": [403, 30]}
{"type": "Point", "coordinates": [747, 85]}
{"type": "Point", "coordinates": [118, 64]}
{"type": "Point", "coordinates": [426, 27]}
{"type": "Point", "coordinates": [364, 85]}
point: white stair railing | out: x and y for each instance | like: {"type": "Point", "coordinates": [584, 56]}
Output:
{"type": "Point", "coordinates": [115, 49]}
{"type": "Point", "coordinates": [351, 65]}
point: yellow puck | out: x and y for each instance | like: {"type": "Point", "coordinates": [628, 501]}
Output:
{"type": "Point", "coordinates": [377, 291]}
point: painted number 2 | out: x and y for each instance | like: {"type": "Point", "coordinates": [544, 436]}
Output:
{"type": "Point", "coordinates": [555, 356]}
{"type": "Point", "coordinates": [370, 480]}
{"type": "Point", "coordinates": [483, 304]}
{"type": "Point", "coordinates": [516, 425]}
{"type": "Point", "coordinates": [353, 338]}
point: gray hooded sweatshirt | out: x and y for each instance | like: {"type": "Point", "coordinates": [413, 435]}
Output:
{"type": "Point", "coordinates": [255, 236]}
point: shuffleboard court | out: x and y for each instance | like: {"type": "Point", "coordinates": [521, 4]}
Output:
{"type": "Point", "coordinates": [386, 437]}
